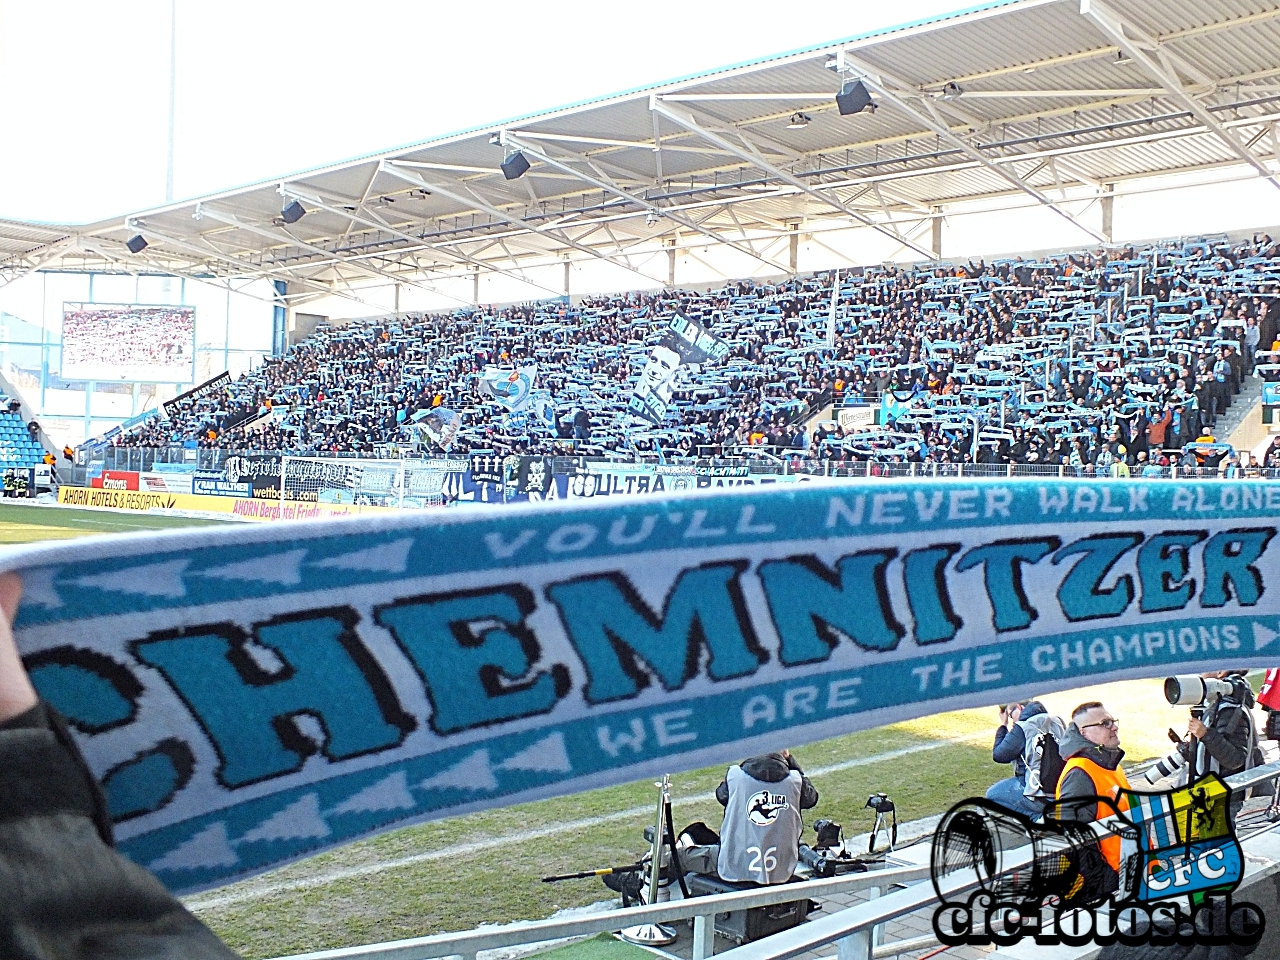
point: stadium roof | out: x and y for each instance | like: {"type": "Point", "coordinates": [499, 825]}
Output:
{"type": "Point", "coordinates": [1043, 98]}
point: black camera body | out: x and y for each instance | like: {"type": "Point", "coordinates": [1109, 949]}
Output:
{"type": "Point", "coordinates": [880, 803]}
{"type": "Point", "coordinates": [829, 834]}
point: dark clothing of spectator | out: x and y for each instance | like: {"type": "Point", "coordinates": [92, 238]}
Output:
{"type": "Point", "coordinates": [68, 894]}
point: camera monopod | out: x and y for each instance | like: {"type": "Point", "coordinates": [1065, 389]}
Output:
{"type": "Point", "coordinates": [1199, 766]}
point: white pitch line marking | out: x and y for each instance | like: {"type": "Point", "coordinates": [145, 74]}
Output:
{"type": "Point", "coordinates": [217, 901]}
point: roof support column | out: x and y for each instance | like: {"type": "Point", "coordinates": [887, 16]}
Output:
{"type": "Point", "coordinates": [1108, 211]}
{"type": "Point", "coordinates": [794, 238]}
{"type": "Point", "coordinates": [936, 244]}
{"type": "Point", "coordinates": [280, 318]}
{"type": "Point", "coordinates": [671, 262]}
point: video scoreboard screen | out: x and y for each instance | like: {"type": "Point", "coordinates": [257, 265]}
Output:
{"type": "Point", "coordinates": [152, 344]}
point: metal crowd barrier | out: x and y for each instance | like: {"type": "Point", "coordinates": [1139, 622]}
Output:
{"type": "Point", "coordinates": [701, 910]}
{"type": "Point", "coordinates": [212, 460]}
{"type": "Point", "coordinates": [855, 931]}
{"type": "Point", "coordinates": [146, 458]}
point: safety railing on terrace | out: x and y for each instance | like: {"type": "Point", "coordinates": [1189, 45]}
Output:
{"type": "Point", "coordinates": [970, 471]}
{"type": "Point", "coordinates": [856, 931]}
{"type": "Point", "coordinates": [764, 461]}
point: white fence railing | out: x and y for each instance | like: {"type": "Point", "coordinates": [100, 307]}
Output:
{"type": "Point", "coordinates": [855, 930]}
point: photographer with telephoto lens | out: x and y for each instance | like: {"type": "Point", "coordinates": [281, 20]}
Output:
{"type": "Point", "coordinates": [1223, 737]}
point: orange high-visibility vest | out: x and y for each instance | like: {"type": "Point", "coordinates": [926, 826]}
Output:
{"type": "Point", "coordinates": [1106, 783]}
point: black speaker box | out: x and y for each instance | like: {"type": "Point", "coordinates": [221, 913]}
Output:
{"type": "Point", "coordinates": [515, 166]}
{"type": "Point", "coordinates": [853, 98]}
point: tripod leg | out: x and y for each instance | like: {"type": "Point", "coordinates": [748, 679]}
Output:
{"type": "Point", "coordinates": [1273, 809]}
{"type": "Point", "coordinates": [676, 865]}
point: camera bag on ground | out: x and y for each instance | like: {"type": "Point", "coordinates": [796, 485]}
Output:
{"type": "Point", "coordinates": [743, 926]}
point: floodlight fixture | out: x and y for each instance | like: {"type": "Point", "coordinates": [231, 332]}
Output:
{"type": "Point", "coordinates": [515, 166]}
{"type": "Point", "coordinates": [854, 97]}
{"type": "Point", "coordinates": [292, 212]}
{"type": "Point", "coordinates": [136, 244]}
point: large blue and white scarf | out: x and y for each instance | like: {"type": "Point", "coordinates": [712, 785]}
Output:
{"type": "Point", "coordinates": [254, 694]}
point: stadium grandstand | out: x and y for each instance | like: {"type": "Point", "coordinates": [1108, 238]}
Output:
{"type": "Point", "coordinates": [1031, 239]}
{"type": "Point", "coordinates": [1041, 359]}
{"type": "Point", "coordinates": [1039, 101]}
{"type": "Point", "coordinates": [959, 357]}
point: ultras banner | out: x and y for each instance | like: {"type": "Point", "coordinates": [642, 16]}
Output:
{"type": "Point", "coordinates": [252, 695]}
{"type": "Point", "coordinates": [213, 385]}
{"type": "Point", "coordinates": [685, 341]}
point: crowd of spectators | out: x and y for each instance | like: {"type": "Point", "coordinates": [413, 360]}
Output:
{"type": "Point", "coordinates": [127, 341]}
{"type": "Point", "coordinates": [1100, 360]}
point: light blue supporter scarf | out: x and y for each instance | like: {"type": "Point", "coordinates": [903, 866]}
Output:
{"type": "Point", "coordinates": [253, 694]}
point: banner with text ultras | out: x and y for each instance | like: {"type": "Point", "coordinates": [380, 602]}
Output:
{"type": "Point", "coordinates": [252, 695]}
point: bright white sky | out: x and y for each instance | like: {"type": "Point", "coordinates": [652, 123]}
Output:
{"type": "Point", "coordinates": [272, 87]}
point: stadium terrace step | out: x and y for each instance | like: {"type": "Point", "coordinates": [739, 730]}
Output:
{"type": "Point", "coordinates": [1245, 402]}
